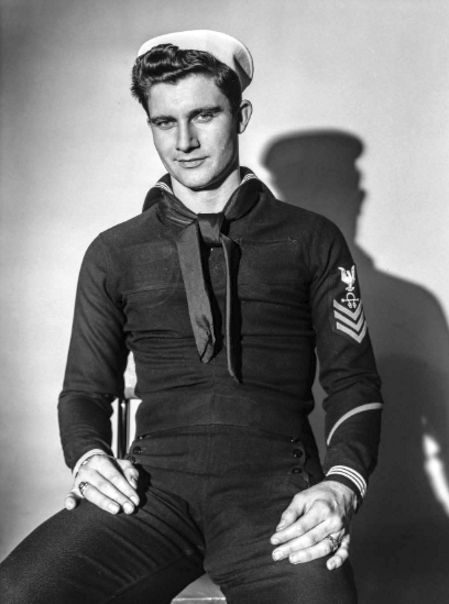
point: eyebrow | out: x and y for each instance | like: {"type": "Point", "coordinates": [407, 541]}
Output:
{"type": "Point", "coordinates": [206, 109]}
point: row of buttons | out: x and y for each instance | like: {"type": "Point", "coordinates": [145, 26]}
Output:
{"type": "Point", "coordinates": [298, 453]}
{"type": "Point", "coordinates": [136, 451]}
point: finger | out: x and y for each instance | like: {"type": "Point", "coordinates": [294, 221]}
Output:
{"type": "Point", "coordinates": [290, 514]}
{"type": "Point", "coordinates": [71, 501]}
{"type": "Point", "coordinates": [125, 483]}
{"type": "Point", "coordinates": [97, 497]}
{"type": "Point", "coordinates": [107, 486]}
{"type": "Point", "coordinates": [126, 465]}
{"type": "Point", "coordinates": [319, 512]}
{"type": "Point", "coordinates": [319, 550]}
{"type": "Point", "coordinates": [309, 539]}
{"type": "Point", "coordinates": [107, 473]}
{"type": "Point", "coordinates": [341, 555]}
{"type": "Point", "coordinates": [132, 480]}
{"type": "Point", "coordinates": [130, 472]}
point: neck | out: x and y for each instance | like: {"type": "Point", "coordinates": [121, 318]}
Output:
{"type": "Point", "coordinates": [208, 201]}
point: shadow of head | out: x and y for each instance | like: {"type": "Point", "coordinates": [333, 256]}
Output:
{"type": "Point", "coordinates": [408, 498]}
{"type": "Point", "coordinates": [317, 170]}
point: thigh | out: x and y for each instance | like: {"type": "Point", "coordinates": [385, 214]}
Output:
{"type": "Point", "coordinates": [245, 503]}
{"type": "Point", "coordinates": [87, 555]}
{"type": "Point", "coordinates": [310, 583]}
{"type": "Point", "coordinates": [240, 559]}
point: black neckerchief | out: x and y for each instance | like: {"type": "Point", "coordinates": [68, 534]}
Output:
{"type": "Point", "coordinates": [211, 229]}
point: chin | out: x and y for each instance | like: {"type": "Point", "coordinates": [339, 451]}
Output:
{"type": "Point", "coordinates": [196, 182]}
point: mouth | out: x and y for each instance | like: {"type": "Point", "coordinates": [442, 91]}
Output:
{"type": "Point", "coordinates": [192, 162]}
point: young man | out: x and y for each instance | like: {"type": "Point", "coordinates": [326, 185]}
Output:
{"type": "Point", "coordinates": [222, 293]}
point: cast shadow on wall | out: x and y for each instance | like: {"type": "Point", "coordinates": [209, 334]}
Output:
{"type": "Point", "coordinates": [400, 546]}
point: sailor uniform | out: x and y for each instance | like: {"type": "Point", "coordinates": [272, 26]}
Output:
{"type": "Point", "coordinates": [296, 292]}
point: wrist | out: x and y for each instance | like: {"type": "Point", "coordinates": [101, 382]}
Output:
{"type": "Point", "coordinates": [344, 492]}
{"type": "Point", "coordinates": [85, 458]}
{"type": "Point", "coordinates": [350, 478]}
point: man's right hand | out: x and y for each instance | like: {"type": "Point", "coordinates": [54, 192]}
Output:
{"type": "Point", "coordinates": [110, 484]}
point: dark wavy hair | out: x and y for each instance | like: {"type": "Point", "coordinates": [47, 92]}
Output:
{"type": "Point", "coordinates": [168, 63]}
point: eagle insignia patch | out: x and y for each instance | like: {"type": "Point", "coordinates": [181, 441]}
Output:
{"type": "Point", "coordinates": [348, 311]}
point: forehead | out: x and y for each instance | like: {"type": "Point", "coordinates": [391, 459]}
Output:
{"type": "Point", "coordinates": [184, 95]}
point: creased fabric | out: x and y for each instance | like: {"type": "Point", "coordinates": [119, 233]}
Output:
{"type": "Point", "coordinates": [208, 230]}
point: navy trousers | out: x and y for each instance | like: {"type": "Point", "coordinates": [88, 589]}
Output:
{"type": "Point", "coordinates": [211, 497]}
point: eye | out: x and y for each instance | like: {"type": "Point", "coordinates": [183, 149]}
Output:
{"type": "Point", "coordinates": [205, 116]}
{"type": "Point", "coordinates": [163, 124]}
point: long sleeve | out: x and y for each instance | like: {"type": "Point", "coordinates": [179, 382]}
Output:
{"type": "Point", "coordinates": [347, 367]}
{"type": "Point", "coordinates": [96, 359]}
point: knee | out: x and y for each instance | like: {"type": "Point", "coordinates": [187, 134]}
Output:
{"type": "Point", "coordinates": [15, 586]}
{"type": "Point", "coordinates": [25, 579]}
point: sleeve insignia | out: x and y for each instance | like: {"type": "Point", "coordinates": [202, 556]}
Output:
{"type": "Point", "coordinates": [348, 311]}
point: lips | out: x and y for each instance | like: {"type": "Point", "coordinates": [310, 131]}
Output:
{"type": "Point", "coordinates": [191, 162]}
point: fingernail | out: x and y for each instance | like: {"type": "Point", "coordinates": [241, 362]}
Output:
{"type": "Point", "coordinates": [277, 555]}
{"type": "Point", "coordinates": [280, 525]}
{"type": "Point", "coordinates": [128, 508]}
{"type": "Point", "coordinates": [274, 540]}
{"type": "Point", "coordinates": [331, 565]}
{"type": "Point", "coordinates": [135, 500]}
{"type": "Point", "coordinates": [113, 508]}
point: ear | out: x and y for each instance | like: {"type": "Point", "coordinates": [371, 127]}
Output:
{"type": "Point", "coordinates": [244, 115]}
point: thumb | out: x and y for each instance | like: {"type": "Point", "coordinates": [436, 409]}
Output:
{"type": "Point", "coordinates": [132, 475]}
{"type": "Point", "coordinates": [291, 513]}
{"type": "Point", "coordinates": [71, 500]}
{"type": "Point", "coordinates": [130, 471]}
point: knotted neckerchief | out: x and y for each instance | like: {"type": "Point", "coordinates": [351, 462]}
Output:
{"type": "Point", "coordinates": [211, 230]}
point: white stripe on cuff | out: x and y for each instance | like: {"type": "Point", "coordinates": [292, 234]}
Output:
{"type": "Point", "coordinates": [353, 475]}
{"type": "Point", "coordinates": [343, 418]}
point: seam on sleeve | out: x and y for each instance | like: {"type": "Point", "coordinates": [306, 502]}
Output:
{"type": "Point", "coordinates": [109, 271]}
{"type": "Point", "coordinates": [351, 413]}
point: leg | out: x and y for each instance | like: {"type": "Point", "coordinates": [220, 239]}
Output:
{"type": "Point", "coordinates": [309, 583]}
{"type": "Point", "coordinates": [90, 556]}
{"type": "Point", "coordinates": [263, 473]}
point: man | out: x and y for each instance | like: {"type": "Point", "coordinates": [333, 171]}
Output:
{"type": "Point", "coordinates": [222, 294]}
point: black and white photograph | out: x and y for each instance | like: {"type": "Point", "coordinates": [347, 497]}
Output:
{"type": "Point", "coordinates": [224, 300]}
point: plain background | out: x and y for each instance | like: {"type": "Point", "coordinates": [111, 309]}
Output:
{"type": "Point", "coordinates": [331, 77]}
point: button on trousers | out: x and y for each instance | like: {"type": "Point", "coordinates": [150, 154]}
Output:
{"type": "Point", "coordinates": [211, 497]}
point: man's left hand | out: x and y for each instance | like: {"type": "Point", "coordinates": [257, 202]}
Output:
{"type": "Point", "coordinates": [316, 524]}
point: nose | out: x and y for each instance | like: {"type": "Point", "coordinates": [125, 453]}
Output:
{"type": "Point", "coordinates": [187, 138]}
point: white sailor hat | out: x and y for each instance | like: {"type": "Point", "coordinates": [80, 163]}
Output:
{"type": "Point", "coordinates": [223, 47]}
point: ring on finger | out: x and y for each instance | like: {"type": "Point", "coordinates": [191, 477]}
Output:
{"type": "Point", "coordinates": [82, 487]}
{"type": "Point", "coordinates": [335, 542]}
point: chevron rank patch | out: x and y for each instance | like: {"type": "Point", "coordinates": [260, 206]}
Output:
{"type": "Point", "coordinates": [348, 310]}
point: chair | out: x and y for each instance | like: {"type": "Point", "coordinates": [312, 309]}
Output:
{"type": "Point", "coordinates": [203, 589]}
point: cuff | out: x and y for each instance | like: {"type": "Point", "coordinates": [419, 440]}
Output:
{"type": "Point", "coordinates": [350, 478]}
{"type": "Point", "coordinates": [85, 457]}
